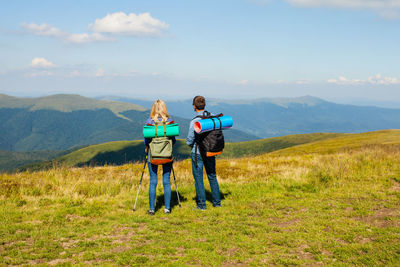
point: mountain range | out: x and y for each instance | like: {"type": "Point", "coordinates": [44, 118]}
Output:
{"type": "Point", "coordinates": [269, 117]}
{"type": "Point", "coordinates": [36, 129]}
{"type": "Point", "coordinates": [60, 122]}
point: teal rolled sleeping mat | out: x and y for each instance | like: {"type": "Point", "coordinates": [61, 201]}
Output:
{"type": "Point", "coordinates": [149, 131]}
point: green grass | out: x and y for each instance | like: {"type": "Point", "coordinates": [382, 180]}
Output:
{"type": "Point", "coordinates": [121, 152]}
{"type": "Point", "coordinates": [258, 147]}
{"type": "Point", "coordinates": [346, 142]}
{"type": "Point", "coordinates": [341, 209]}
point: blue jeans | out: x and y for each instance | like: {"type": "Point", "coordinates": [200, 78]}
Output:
{"type": "Point", "coordinates": [209, 164]}
{"type": "Point", "coordinates": [166, 184]}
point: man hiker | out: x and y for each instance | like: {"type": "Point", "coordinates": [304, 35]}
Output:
{"type": "Point", "coordinates": [199, 159]}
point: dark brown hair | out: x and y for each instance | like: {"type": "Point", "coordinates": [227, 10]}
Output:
{"type": "Point", "coordinates": [199, 102]}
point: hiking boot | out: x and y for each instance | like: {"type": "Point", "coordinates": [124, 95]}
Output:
{"type": "Point", "coordinates": [218, 206]}
{"type": "Point", "coordinates": [198, 208]}
{"type": "Point", "coordinates": [167, 211]}
{"type": "Point", "coordinates": [151, 212]}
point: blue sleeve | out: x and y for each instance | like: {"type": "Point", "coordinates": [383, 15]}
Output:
{"type": "Point", "coordinates": [190, 136]}
{"type": "Point", "coordinates": [147, 141]}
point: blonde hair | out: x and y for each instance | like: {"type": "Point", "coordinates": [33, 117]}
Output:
{"type": "Point", "coordinates": [159, 109]}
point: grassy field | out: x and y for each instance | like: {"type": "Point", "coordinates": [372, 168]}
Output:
{"type": "Point", "coordinates": [339, 208]}
{"type": "Point", "coordinates": [121, 152]}
{"type": "Point", "coordinates": [345, 142]}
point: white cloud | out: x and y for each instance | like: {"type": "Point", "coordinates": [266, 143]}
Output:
{"type": "Point", "coordinates": [100, 73]}
{"type": "Point", "coordinates": [377, 79]}
{"type": "Point", "coordinates": [43, 30]}
{"type": "Point", "coordinates": [116, 23]}
{"type": "Point", "coordinates": [40, 62]}
{"type": "Point", "coordinates": [81, 38]}
{"type": "Point", "coordinates": [343, 80]}
{"type": "Point", "coordinates": [76, 38]}
{"type": "Point", "coordinates": [130, 24]}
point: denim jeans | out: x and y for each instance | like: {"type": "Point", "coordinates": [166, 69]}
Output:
{"type": "Point", "coordinates": [166, 184]}
{"type": "Point", "coordinates": [209, 164]}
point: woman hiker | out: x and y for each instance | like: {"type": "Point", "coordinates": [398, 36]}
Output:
{"type": "Point", "coordinates": [159, 112]}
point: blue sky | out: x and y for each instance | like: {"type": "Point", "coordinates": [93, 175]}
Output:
{"type": "Point", "coordinates": [334, 49]}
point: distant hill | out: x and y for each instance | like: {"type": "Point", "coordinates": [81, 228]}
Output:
{"type": "Point", "coordinates": [121, 152]}
{"type": "Point", "coordinates": [66, 103]}
{"type": "Point", "coordinates": [268, 117]}
{"type": "Point", "coordinates": [60, 122]}
{"type": "Point", "coordinates": [11, 160]}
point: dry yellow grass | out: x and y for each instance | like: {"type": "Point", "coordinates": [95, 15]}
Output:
{"type": "Point", "coordinates": [304, 209]}
{"type": "Point", "coordinates": [364, 164]}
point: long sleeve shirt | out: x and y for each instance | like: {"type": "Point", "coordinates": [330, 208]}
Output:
{"type": "Point", "coordinates": [191, 137]}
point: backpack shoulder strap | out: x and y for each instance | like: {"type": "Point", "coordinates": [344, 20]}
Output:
{"type": "Point", "coordinates": [205, 115]}
{"type": "Point", "coordinates": [163, 123]}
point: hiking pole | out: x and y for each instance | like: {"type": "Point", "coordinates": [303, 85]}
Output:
{"type": "Point", "coordinates": [177, 193]}
{"type": "Point", "coordinates": [140, 183]}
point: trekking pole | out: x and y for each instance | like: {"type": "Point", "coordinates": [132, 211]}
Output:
{"type": "Point", "coordinates": [177, 193]}
{"type": "Point", "coordinates": [140, 183]}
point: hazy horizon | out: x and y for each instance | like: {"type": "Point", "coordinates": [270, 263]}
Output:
{"type": "Point", "coordinates": [346, 101]}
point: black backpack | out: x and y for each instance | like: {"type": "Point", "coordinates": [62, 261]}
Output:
{"type": "Point", "coordinates": [210, 143]}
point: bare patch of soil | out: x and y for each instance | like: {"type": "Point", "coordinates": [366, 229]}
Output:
{"type": "Point", "coordinates": [119, 249]}
{"type": "Point", "coordinates": [363, 240]}
{"type": "Point", "coordinates": [37, 261]}
{"type": "Point", "coordinates": [232, 251]}
{"type": "Point", "coordinates": [142, 227]}
{"type": "Point", "coordinates": [68, 243]}
{"type": "Point", "coordinates": [34, 222]}
{"type": "Point", "coordinates": [73, 217]}
{"type": "Point", "coordinates": [180, 251]}
{"type": "Point", "coordinates": [303, 254]}
{"type": "Point", "coordinates": [383, 217]}
{"type": "Point", "coordinates": [233, 263]}
{"type": "Point", "coordinates": [57, 261]}
{"type": "Point", "coordinates": [123, 234]}
{"type": "Point", "coordinates": [396, 186]}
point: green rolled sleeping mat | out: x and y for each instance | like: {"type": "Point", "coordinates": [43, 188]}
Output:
{"type": "Point", "coordinates": [149, 131]}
